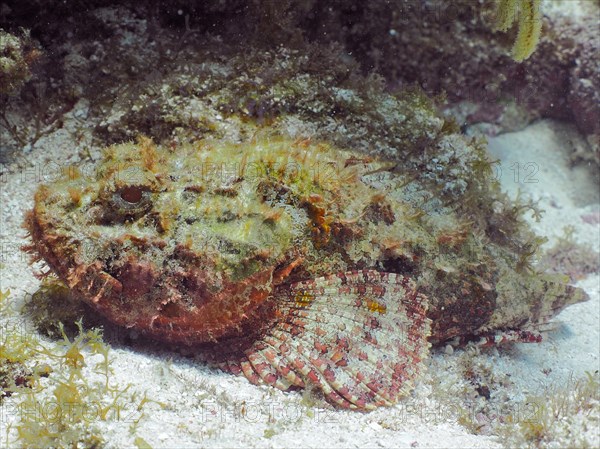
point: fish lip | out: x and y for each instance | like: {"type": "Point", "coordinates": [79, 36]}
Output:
{"type": "Point", "coordinates": [178, 318]}
{"type": "Point", "coordinates": [41, 247]}
{"type": "Point", "coordinates": [168, 320]}
{"type": "Point", "coordinates": [211, 316]}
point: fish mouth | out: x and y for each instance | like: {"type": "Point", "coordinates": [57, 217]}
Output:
{"type": "Point", "coordinates": [162, 308]}
{"type": "Point", "coordinates": [184, 301]}
{"type": "Point", "coordinates": [41, 245]}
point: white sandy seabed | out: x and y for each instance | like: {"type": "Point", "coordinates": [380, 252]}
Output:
{"type": "Point", "coordinates": [205, 408]}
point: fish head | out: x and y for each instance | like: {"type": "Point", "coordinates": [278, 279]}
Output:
{"type": "Point", "coordinates": [183, 245]}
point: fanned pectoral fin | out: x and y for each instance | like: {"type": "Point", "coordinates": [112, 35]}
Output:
{"type": "Point", "coordinates": [359, 337]}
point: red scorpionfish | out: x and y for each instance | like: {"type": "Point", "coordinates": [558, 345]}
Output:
{"type": "Point", "coordinates": [293, 263]}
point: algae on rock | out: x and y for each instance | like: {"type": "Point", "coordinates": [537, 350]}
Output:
{"type": "Point", "coordinates": [529, 19]}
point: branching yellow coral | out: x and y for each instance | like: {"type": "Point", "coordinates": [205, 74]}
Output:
{"type": "Point", "coordinates": [529, 22]}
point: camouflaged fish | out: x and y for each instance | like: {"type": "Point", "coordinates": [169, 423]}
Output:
{"type": "Point", "coordinates": [295, 263]}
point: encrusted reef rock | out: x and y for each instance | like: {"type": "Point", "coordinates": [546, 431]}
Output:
{"type": "Point", "coordinates": [453, 47]}
{"type": "Point", "coordinates": [17, 54]}
{"type": "Point", "coordinates": [449, 47]}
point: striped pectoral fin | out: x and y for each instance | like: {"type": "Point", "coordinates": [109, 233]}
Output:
{"type": "Point", "coordinates": [500, 338]}
{"type": "Point", "coordinates": [359, 337]}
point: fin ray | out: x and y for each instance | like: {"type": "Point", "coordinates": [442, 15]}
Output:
{"type": "Point", "coordinates": [360, 337]}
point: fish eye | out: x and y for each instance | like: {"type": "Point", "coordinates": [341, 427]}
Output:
{"type": "Point", "coordinates": [129, 202]}
{"type": "Point", "coordinates": [131, 194]}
